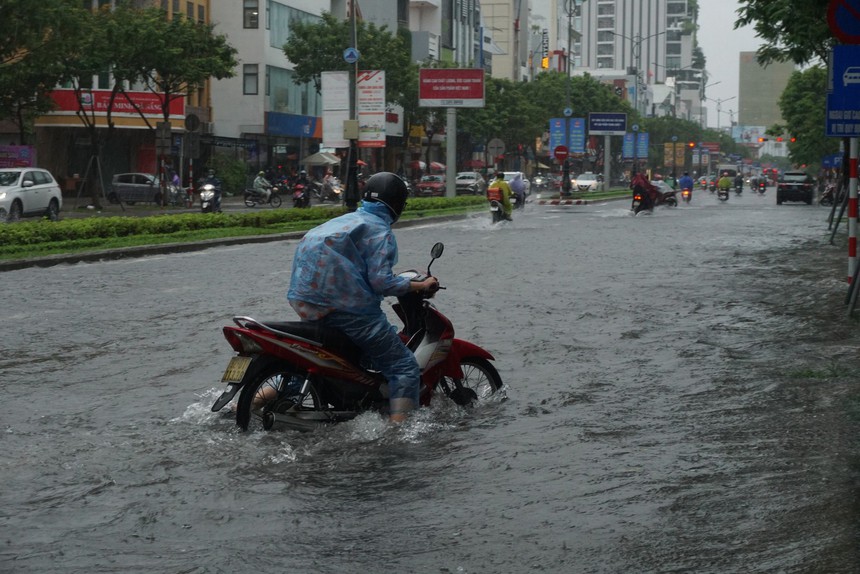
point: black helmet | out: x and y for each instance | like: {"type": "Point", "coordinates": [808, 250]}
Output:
{"type": "Point", "coordinates": [500, 175]}
{"type": "Point", "coordinates": [388, 189]}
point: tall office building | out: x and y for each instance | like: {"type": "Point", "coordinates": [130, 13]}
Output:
{"type": "Point", "coordinates": [643, 43]}
{"type": "Point", "coordinates": [760, 89]}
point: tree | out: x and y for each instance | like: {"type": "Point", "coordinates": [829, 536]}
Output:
{"type": "Point", "coordinates": [803, 108]}
{"type": "Point", "coordinates": [792, 30]}
{"type": "Point", "coordinates": [316, 47]}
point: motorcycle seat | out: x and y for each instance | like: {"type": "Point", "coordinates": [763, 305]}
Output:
{"type": "Point", "coordinates": [325, 336]}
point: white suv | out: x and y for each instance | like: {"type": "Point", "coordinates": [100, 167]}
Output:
{"type": "Point", "coordinates": [29, 192]}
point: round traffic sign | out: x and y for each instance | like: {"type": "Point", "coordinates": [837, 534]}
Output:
{"type": "Point", "coordinates": [560, 152]}
{"type": "Point", "coordinates": [496, 147]}
{"type": "Point", "coordinates": [568, 112]}
{"type": "Point", "coordinates": [351, 55]}
{"type": "Point", "coordinates": [843, 18]}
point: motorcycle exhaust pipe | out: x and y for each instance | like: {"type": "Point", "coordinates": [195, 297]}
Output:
{"type": "Point", "coordinates": [304, 421]}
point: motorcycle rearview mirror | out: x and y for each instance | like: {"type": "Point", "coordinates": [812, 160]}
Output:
{"type": "Point", "coordinates": [435, 253]}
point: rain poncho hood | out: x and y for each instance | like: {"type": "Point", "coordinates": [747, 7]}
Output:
{"type": "Point", "coordinates": [346, 264]}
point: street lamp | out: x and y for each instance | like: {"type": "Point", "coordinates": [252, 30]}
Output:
{"type": "Point", "coordinates": [674, 156]}
{"type": "Point", "coordinates": [636, 43]}
{"type": "Point", "coordinates": [719, 104]}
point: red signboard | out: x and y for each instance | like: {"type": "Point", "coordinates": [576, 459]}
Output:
{"type": "Point", "coordinates": [98, 101]}
{"type": "Point", "coordinates": [560, 153]}
{"type": "Point", "coordinates": [451, 87]}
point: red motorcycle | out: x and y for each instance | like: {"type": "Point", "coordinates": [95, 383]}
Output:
{"type": "Point", "coordinates": [299, 375]}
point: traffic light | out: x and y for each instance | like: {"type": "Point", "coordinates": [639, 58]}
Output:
{"type": "Point", "coordinates": [762, 140]}
{"type": "Point", "coordinates": [544, 63]}
{"type": "Point", "coordinates": [793, 139]}
{"type": "Point", "coordinates": [779, 138]}
{"type": "Point", "coordinates": [691, 145]}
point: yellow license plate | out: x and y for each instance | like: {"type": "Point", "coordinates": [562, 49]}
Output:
{"type": "Point", "coordinates": [236, 370]}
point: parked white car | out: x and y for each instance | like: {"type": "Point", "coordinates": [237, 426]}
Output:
{"type": "Point", "coordinates": [509, 177]}
{"type": "Point", "coordinates": [29, 192]}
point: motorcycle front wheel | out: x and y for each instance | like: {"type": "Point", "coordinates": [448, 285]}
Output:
{"type": "Point", "coordinates": [480, 381]}
{"type": "Point", "coordinates": [274, 389]}
{"type": "Point", "coordinates": [275, 200]}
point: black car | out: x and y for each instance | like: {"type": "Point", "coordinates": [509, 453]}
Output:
{"type": "Point", "coordinates": [795, 186]}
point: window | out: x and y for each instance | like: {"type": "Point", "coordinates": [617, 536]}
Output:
{"type": "Point", "coordinates": [189, 10]}
{"type": "Point", "coordinates": [201, 14]}
{"type": "Point", "coordinates": [250, 79]}
{"type": "Point", "coordinates": [175, 7]}
{"type": "Point", "coordinates": [251, 14]}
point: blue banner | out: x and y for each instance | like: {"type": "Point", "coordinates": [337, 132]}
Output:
{"type": "Point", "coordinates": [577, 136]}
{"type": "Point", "coordinates": [557, 133]}
{"type": "Point", "coordinates": [642, 146]}
{"type": "Point", "coordinates": [627, 149]}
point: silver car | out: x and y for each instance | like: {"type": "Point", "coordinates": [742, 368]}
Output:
{"type": "Point", "coordinates": [133, 187]}
{"type": "Point", "coordinates": [29, 192]}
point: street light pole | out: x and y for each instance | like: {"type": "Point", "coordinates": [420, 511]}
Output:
{"type": "Point", "coordinates": [636, 42]}
{"type": "Point", "coordinates": [674, 159]}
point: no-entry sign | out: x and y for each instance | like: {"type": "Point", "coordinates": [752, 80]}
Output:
{"type": "Point", "coordinates": [560, 153]}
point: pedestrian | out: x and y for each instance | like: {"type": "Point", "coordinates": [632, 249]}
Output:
{"type": "Point", "coordinates": [341, 272]}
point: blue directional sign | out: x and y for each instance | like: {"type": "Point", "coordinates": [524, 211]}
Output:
{"type": "Point", "coordinates": [607, 123]}
{"type": "Point", "coordinates": [577, 136]}
{"type": "Point", "coordinates": [843, 97]}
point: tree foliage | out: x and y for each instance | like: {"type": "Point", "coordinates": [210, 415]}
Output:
{"type": "Point", "coordinates": [803, 108]}
{"type": "Point", "coordinates": [792, 30]}
{"type": "Point", "coordinates": [316, 47]}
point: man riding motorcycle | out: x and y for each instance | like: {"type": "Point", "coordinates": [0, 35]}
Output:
{"type": "Point", "coordinates": [725, 182]}
{"type": "Point", "coordinates": [341, 272]}
{"type": "Point", "coordinates": [210, 179]}
{"type": "Point", "coordinates": [500, 191]}
{"type": "Point", "coordinates": [686, 182]}
{"type": "Point", "coordinates": [262, 186]}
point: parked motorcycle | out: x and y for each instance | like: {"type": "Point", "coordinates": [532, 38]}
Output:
{"type": "Point", "coordinates": [254, 196]}
{"type": "Point", "coordinates": [828, 196]}
{"type": "Point", "coordinates": [722, 194]}
{"type": "Point", "coordinates": [299, 375]}
{"type": "Point", "coordinates": [301, 196]}
{"type": "Point", "coordinates": [209, 199]}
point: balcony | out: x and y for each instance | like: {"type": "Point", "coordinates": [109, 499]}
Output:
{"type": "Point", "coordinates": [424, 3]}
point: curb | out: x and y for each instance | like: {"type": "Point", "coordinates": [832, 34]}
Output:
{"type": "Point", "coordinates": [164, 248]}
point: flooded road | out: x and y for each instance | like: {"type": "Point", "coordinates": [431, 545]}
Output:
{"type": "Point", "coordinates": [681, 397]}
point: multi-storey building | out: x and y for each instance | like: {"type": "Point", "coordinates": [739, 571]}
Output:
{"type": "Point", "coordinates": [642, 43]}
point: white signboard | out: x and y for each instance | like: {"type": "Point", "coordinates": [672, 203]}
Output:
{"type": "Point", "coordinates": [371, 108]}
{"type": "Point", "coordinates": [335, 103]}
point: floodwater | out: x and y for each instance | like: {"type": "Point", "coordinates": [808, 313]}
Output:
{"type": "Point", "coordinates": [681, 397]}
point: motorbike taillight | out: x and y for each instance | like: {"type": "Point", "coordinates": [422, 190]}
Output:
{"type": "Point", "coordinates": [637, 197]}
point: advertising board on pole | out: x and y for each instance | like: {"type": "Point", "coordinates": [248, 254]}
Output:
{"type": "Point", "coordinates": [451, 88]}
{"type": "Point", "coordinates": [335, 107]}
{"type": "Point", "coordinates": [371, 108]}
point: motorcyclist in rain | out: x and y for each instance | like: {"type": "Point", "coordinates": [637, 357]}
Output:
{"type": "Point", "coordinates": [739, 183]}
{"type": "Point", "coordinates": [518, 187]}
{"type": "Point", "coordinates": [262, 185]}
{"type": "Point", "coordinates": [725, 182]}
{"type": "Point", "coordinates": [341, 272]}
{"type": "Point", "coordinates": [686, 182]}
{"type": "Point", "coordinates": [649, 192]}
{"type": "Point", "coordinates": [500, 191]}
{"type": "Point", "coordinates": [210, 179]}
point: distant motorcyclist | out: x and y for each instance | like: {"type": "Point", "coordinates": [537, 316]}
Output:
{"type": "Point", "coordinates": [210, 179]}
{"type": "Point", "coordinates": [725, 182]}
{"type": "Point", "coordinates": [500, 191]}
{"type": "Point", "coordinates": [739, 182]}
{"type": "Point", "coordinates": [685, 181]}
{"type": "Point", "coordinates": [518, 187]}
{"type": "Point", "coordinates": [263, 186]}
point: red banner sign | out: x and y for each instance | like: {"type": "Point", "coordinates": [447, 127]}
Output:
{"type": "Point", "coordinates": [451, 88]}
{"type": "Point", "coordinates": [98, 101]}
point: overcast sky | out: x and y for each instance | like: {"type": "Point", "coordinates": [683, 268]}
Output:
{"type": "Point", "coordinates": [722, 46]}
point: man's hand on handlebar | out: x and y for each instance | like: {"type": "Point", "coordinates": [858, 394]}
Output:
{"type": "Point", "coordinates": [430, 285]}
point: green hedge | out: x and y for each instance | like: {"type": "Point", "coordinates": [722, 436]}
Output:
{"type": "Point", "coordinates": [44, 231]}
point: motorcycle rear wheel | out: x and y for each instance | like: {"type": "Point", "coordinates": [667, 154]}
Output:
{"type": "Point", "coordinates": [273, 389]}
{"type": "Point", "coordinates": [249, 202]}
{"type": "Point", "coordinates": [480, 381]}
